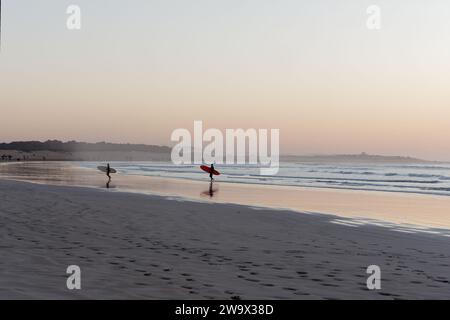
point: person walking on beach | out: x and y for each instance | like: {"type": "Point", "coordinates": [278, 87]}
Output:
{"type": "Point", "coordinates": [108, 171]}
{"type": "Point", "coordinates": [211, 172]}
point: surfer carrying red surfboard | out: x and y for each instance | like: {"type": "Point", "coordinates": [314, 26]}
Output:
{"type": "Point", "coordinates": [212, 172]}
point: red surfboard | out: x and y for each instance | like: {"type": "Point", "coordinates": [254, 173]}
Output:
{"type": "Point", "coordinates": [208, 169]}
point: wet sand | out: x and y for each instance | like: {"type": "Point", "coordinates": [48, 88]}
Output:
{"type": "Point", "coordinates": [405, 212]}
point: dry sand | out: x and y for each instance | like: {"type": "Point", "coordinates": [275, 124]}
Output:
{"type": "Point", "coordinates": [151, 247]}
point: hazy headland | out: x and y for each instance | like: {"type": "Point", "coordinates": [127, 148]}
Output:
{"type": "Point", "coordinates": [55, 150]}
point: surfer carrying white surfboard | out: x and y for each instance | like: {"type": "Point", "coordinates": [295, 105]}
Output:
{"type": "Point", "coordinates": [108, 174]}
{"type": "Point", "coordinates": [108, 171]}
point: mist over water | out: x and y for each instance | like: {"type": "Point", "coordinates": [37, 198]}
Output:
{"type": "Point", "coordinates": [408, 178]}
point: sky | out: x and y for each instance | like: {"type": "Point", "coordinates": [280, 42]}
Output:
{"type": "Point", "coordinates": [139, 69]}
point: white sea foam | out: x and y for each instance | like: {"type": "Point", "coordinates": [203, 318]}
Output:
{"type": "Point", "coordinates": [411, 178]}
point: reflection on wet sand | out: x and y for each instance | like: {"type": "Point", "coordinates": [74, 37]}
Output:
{"type": "Point", "coordinates": [211, 190]}
{"type": "Point", "coordinates": [399, 208]}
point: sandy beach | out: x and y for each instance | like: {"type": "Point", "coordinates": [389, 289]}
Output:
{"type": "Point", "coordinates": [154, 247]}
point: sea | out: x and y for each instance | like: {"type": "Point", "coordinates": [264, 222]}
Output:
{"type": "Point", "coordinates": [407, 178]}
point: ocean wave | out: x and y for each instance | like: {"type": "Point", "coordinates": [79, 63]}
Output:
{"type": "Point", "coordinates": [392, 178]}
{"type": "Point", "coordinates": [422, 175]}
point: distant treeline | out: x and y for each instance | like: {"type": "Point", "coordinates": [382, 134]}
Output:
{"type": "Point", "coordinates": [73, 146]}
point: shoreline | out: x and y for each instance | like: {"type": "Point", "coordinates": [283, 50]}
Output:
{"type": "Point", "coordinates": [132, 245]}
{"type": "Point", "coordinates": [405, 211]}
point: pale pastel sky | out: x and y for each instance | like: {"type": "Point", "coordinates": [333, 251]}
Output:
{"type": "Point", "coordinates": [139, 69]}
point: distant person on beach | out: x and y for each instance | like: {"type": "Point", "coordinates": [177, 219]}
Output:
{"type": "Point", "coordinates": [211, 172]}
{"type": "Point", "coordinates": [108, 171]}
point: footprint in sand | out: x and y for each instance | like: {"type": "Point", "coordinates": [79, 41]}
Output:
{"type": "Point", "coordinates": [285, 277]}
{"type": "Point", "coordinates": [267, 285]}
{"type": "Point", "coordinates": [329, 285]}
{"type": "Point", "coordinates": [301, 294]}
{"type": "Point", "coordinates": [140, 284]}
{"type": "Point", "coordinates": [289, 289]}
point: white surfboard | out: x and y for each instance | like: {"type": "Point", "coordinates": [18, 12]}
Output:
{"type": "Point", "coordinates": [103, 169]}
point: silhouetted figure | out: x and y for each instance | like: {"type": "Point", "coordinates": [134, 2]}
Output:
{"type": "Point", "coordinates": [108, 174]}
{"type": "Point", "coordinates": [108, 171]}
{"type": "Point", "coordinates": [211, 173]}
